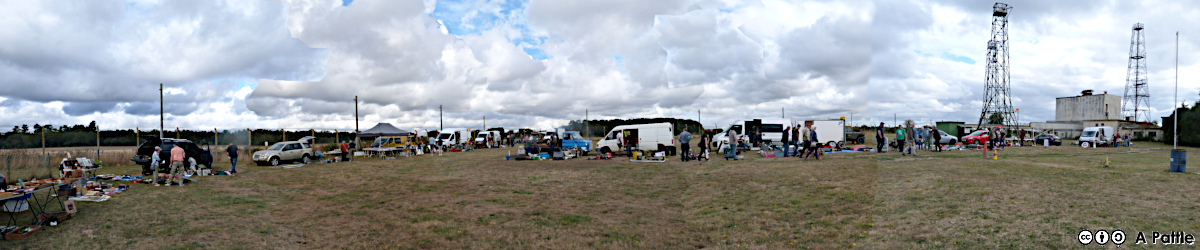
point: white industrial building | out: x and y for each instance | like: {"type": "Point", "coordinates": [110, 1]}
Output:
{"type": "Point", "coordinates": [1072, 114]}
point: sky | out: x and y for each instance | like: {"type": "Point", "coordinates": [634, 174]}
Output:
{"type": "Point", "coordinates": [299, 65]}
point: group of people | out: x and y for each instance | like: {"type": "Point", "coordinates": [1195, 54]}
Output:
{"type": "Point", "coordinates": [798, 142]}
{"type": "Point", "coordinates": [911, 138]}
{"type": "Point", "coordinates": [178, 165]}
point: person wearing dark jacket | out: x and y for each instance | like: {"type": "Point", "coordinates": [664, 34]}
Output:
{"type": "Point", "coordinates": [937, 139]}
{"type": "Point", "coordinates": [232, 150]}
{"type": "Point", "coordinates": [879, 138]}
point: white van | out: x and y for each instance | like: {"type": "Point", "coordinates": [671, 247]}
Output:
{"type": "Point", "coordinates": [451, 136]}
{"type": "Point", "coordinates": [649, 137]}
{"type": "Point", "coordinates": [481, 138]}
{"type": "Point", "coordinates": [1095, 135]}
{"type": "Point", "coordinates": [771, 128]}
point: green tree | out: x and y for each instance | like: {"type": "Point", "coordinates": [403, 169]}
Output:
{"type": "Point", "coordinates": [996, 119]}
{"type": "Point", "coordinates": [24, 128]}
{"type": "Point", "coordinates": [37, 128]}
{"type": "Point", "coordinates": [16, 129]}
{"type": "Point", "coordinates": [92, 127]}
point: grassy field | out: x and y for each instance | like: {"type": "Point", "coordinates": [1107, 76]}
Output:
{"type": "Point", "coordinates": [478, 200]}
{"type": "Point", "coordinates": [1031, 197]}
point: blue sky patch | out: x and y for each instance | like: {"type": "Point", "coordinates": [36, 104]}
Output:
{"type": "Point", "coordinates": [957, 58]}
{"type": "Point", "coordinates": [620, 64]}
{"type": "Point", "coordinates": [346, 2]}
{"type": "Point", "coordinates": [463, 18]}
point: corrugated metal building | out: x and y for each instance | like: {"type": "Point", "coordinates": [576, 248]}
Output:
{"type": "Point", "coordinates": [1088, 107]}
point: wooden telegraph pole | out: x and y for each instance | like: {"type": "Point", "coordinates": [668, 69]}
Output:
{"type": "Point", "coordinates": [97, 142]}
{"type": "Point", "coordinates": [161, 125]}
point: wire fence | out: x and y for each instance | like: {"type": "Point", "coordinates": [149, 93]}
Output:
{"type": "Point", "coordinates": [28, 164]}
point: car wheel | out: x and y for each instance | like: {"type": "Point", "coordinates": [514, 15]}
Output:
{"type": "Point", "coordinates": [841, 145]}
{"type": "Point", "coordinates": [953, 142]}
{"type": "Point", "coordinates": [831, 144]}
{"type": "Point", "coordinates": [862, 141]}
{"type": "Point", "coordinates": [274, 161]}
{"type": "Point", "coordinates": [605, 150]}
{"type": "Point", "coordinates": [306, 159]}
{"type": "Point", "coordinates": [584, 152]}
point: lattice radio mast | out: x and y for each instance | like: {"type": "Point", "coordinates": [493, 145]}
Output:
{"type": "Point", "coordinates": [1137, 95]}
{"type": "Point", "coordinates": [996, 100]}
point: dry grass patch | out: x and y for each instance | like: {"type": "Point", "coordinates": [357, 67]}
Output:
{"type": "Point", "coordinates": [478, 200]}
{"type": "Point", "coordinates": [1032, 197]}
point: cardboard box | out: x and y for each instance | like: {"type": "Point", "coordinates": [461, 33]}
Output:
{"type": "Point", "coordinates": [5, 194]}
{"type": "Point", "coordinates": [19, 235]}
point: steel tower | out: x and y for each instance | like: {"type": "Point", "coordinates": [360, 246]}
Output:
{"type": "Point", "coordinates": [996, 95]}
{"type": "Point", "coordinates": [1137, 95]}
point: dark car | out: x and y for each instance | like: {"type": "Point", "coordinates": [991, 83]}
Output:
{"type": "Point", "coordinates": [855, 136]}
{"type": "Point", "coordinates": [143, 157]}
{"type": "Point", "coordinates": [1054, 140]}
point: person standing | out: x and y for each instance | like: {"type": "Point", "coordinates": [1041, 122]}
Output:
{"type": "Point", "coordinates": [703, 146]}
{"type": "Point", "coordinates": [155, 159]}
{"type": "Point", "coordinates": [795, 141]}
{"type": "Point", "coordinates": [900, 138]}
{"type": "Point", "coordinates": [879, 138]}
{"type": "Point", "coordinates": [345, 148]}
{"type": "Point", "coordinates": [919, 138]}
{"type": "Point", "coordinates": [929, 137]}
{"type": "Point", "coordinates": [1021, 136]}
{"type": "Point", "coordinates": [786, 132]}
{"type": "Point", "coordinates": [937, 139]}
{"type": "Point", "coordinates": [685, 139]}
{"type": "Point", "coordinates": [232, 150]}
{"type": "Point", "coordinates": [177, 155]}
{"type": "Point", "coordinates": [912, 131]}
{"type": "Point", "coordinates": [733, 142]}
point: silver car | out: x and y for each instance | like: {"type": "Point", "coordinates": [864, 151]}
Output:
{"type": "Point", "coordinates": [299, 150]}
{"type": "Point", "coordinates": [947, 139]}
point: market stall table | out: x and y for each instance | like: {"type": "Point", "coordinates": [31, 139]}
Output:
{"type": "Point", "coordinates": [15, 207]}
{"type": "Point", "coordinates": [34, 204]}
{"type": "Point", "coordinates": [379, 152]}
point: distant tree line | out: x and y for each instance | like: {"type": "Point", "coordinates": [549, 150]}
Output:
{"type": "Point", "coordinates": [25, 136]}
{"type": "Point", "coordinates": [1189, 126]}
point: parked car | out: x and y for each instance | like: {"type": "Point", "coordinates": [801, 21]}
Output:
{"type": "Point", "coordinates": [298, 150]}
{"type": "Point", "coordinates": [142, 157]}
{"type": "Point", "coordinates": [1054, 139]}
{"type": "Point", "coordinates": [855, 136]}
{"type": "Point", "coordinates": [976, 137]}
{"type": "Point", "coordinates": [947, 139]}
{"type": "Point", "coordinates": [572, 140]}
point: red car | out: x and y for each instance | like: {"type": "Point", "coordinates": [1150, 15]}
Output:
{"type": "Point", "coordinates": [976, 137]}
